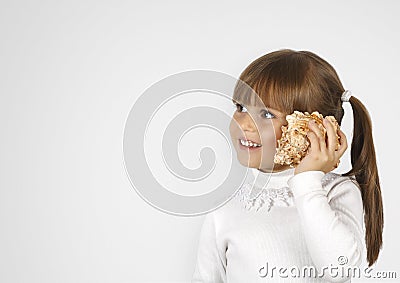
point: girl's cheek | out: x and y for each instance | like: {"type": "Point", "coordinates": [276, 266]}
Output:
{"type": "Point", "coordinates": [272, 135]}
{"type": "Point", "coordinates": [234, 129]}
{"type": "Point", "coordinates": [269, 138]}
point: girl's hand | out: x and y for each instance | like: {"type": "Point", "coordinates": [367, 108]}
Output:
{"type": "Point", "coordinates": [320, 156]}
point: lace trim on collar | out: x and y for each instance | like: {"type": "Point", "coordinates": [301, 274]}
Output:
{"type": "Point", "coordinates": [270, 197]}
{"type": "Point", "coordinates": [267, 197]}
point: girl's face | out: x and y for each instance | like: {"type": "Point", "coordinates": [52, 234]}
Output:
{"type": "Point", "coordinates": [261, 126]}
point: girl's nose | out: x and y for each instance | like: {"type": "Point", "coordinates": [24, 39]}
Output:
{"type": "Point", "coordinates": [247, 123]}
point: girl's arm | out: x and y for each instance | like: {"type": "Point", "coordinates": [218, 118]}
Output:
{"type": "Point", "coordinates": [211, 261]}
{"type": "Point", "coordinates": [332, 222]}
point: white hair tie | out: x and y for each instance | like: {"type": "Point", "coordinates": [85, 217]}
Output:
{"type": "Point", "coordinates": [346, 95]}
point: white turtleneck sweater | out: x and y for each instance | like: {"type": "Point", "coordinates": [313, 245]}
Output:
{"type": "Point", "coordinates": [281, 227]}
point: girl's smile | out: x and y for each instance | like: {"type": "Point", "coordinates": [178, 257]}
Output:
{"type": "Point", "coordinates": [248, 144]}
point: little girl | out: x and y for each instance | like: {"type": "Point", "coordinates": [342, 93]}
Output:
{"type": "Point", "coordinates": [301, 223]}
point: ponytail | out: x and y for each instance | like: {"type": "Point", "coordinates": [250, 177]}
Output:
{"type": "Point", "coordinates": [364, 168]}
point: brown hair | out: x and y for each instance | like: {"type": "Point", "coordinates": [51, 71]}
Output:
{"type": "Point", "coordinates": [289, 80]}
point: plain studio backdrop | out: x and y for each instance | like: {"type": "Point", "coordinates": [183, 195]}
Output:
{"type": "Point", "coordinates": [72, 70]}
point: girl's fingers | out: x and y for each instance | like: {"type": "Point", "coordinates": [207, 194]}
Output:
{"type": "Point", "coordinates": [316, 132]}
{"type": "Point", "coordinates": [313, 140]}
{"type": "Point", "coordinates": [343, 143]}
{"type": "Point", "coordinates": [331, 135]}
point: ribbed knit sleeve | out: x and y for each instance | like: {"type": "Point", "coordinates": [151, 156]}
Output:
{"type": "Point", "coordinates": [331, 222]}
{"type": "Point", "coordinates": [211, 261]}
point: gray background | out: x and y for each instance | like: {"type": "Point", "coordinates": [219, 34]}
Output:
{"type": "Point", "coordinates": [70, 72]}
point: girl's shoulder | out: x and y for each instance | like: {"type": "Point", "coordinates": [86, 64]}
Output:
{"type": "Point", "coordinates": [332, 180]}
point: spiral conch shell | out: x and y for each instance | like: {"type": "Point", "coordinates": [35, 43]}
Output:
{"type": "Point", "coordinates": [294, 143]}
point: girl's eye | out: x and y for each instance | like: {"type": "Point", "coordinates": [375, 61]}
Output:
{"type": "Point", "coordinates": [268, 115]}
{"type": "Point", "coordinates": [265, 113]}
{"type": "Point", "coordinates": [240, 107]}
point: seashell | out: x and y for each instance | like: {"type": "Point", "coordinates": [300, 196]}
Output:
{"type": "Point", "coordinates": [294, 143]}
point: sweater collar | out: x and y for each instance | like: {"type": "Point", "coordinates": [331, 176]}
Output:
{"type": "Point", "coordinates": [277, 180]}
